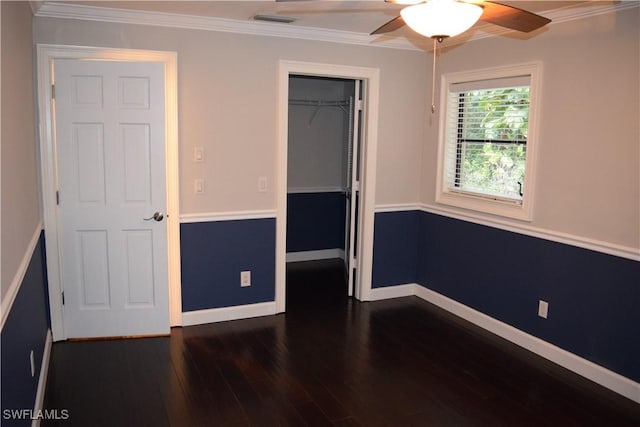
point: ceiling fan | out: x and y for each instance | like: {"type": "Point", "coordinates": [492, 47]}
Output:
{"type": "Point", "coordinates": [439, 19]}
{"type": "Point", "coordinates": [447, 18]}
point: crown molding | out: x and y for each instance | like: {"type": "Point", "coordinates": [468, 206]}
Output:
{"type": "Point", "coordinates": [35, 5]}
{"type": "Point", "coordinates": [207, 23]}
{"type": "Point", "coordinates": [562, 15]}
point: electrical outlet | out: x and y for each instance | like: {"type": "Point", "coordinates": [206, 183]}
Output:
{"type": "Point", "coordinates": [245, 278]}
{"type": "Point", "coordinates": [32, 359]}
{"type": "Point", "coordinates": [543, 309]}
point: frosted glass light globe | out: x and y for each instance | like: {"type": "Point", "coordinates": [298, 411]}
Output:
{"type": "Point", "coordinates": [441, 18]}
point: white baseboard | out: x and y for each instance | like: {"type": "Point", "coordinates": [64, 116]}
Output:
{"type": "Point", "coordinates": [42, 378]}
{"type": "Point", "coordinates": [389, 292]}
{"type": "Point", "coordinates": [577, 364]}
{"type": "Point", "coordinates": [315, 255]}
{"type": "Point", "coordinates": [224, 314]}
{"type": "Point", "coordinates": [596, 373]}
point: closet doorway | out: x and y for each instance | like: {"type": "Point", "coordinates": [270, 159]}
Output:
{"type": "Point", "coordinates": [367, 82]}
{"type": "Point", "coordinates": [323, 174]}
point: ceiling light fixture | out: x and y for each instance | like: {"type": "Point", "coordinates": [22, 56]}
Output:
{"type": "Point", "coordinates": [441, 18]}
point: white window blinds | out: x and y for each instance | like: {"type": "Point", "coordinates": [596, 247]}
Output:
{"type": "Point", "coordinates": [486, 130]}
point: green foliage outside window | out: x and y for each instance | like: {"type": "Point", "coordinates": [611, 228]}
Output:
{"type": "Point", "coordinates": [492, 141]}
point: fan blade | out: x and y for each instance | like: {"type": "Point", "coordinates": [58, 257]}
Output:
{"type": "Point", "coordinates": [392, 25]}
{"type": "Point", "coordinates": [510, 17]}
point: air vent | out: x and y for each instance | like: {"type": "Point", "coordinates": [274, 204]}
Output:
{"type": "Point", "coordinates": [274, 18]}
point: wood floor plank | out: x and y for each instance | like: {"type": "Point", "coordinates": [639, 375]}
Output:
{"type": "Point", "coordinates": [329, 361]}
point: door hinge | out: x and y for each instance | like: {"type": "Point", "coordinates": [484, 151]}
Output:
{"type": "Point", "coordinates": [57, 198]}
{"type": "Point", "coordinates": [359, 104]}
{"type": "Point", "coordinates": [53, 91]}
{"type": "Point", "coordinates": [62, 297]}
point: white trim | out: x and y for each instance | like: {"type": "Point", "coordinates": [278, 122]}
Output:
{"type": "Point", "coordinates": [397, 291]}
{"type": "Point", "coordinates": [315, 255]}
{"type": "Point", "coordinates": [371, 80]}
{"type": "Point", "coordinates": [529, 230]}
{"type": "Point", "coordinates": [524, 229]}
{"type": "Point", "coordinates": [582, 11]}
{"type": "Point", "coordinates": [226, 216]}
{"type": "Point", "coordinates": [199, 317]}
{"type": "Point", "coordinates": [606, 378]}
{"type": "Point", "coordinates": [583, 367]}
{"type": "Point", "coordinates": [172, 20]}
{"type": "Point", "coordinates": [398, 207]}
{"type": "Point", "coordinates": [304, 190]}
{"type": "Point", "coordinates": [42, 378]}
{"type": "Point", "coordinates": [462, 199]}
{"type": "Point", "coordinates": [571, 12]}
{"type": "Point", "coordinates": [46, 55]}
{"type": "Point", "coordinates": [173, 184]}
{"type": "Point", "coordinates": [35, 5]}
{"type": "Point", "coordinates": [210, 23]}
{"type": "Point", "coordinates": [16, 283]}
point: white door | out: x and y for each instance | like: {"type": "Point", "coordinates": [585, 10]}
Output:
{"type": "Point", "coordinates": [111, 171]}
{"type": "Point", "coordinates": [353, 192]}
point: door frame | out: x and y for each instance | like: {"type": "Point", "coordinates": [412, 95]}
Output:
{"type": "Point", "coordinates": [369, 146]}
{"type": "Point", "coordinates": [46, 55]}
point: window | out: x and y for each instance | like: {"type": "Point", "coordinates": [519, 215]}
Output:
{"type": "Point", "coordinates": [487, 140]}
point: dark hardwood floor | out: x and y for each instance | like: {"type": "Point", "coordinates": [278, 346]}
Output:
{"type": "Point", "coordinates": [329, 361]}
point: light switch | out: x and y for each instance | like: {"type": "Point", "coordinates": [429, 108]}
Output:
{"type": "Point", "coordinates": [198, 154]}
{"type": "Point", "coordinates": [198, 186]}
{"type": "Point", "coordinates": [262, 184]}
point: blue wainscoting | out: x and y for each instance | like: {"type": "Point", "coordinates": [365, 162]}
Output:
{"type": "Point", "coordinates": [594, 298]}
{"type": "Point", "coordinates": [315, 221]}
{"type": "Point", "coordinates": [25, 329]}
{"type": "Point", "coordinates": [213, 255]}
{"type": "Point", "coordinates": [395, 248]}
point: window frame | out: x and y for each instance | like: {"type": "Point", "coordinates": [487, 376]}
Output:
{"type": "Point", "coordinates": [516, 209]}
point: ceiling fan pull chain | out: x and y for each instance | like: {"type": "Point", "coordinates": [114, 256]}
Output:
{"type": "Point", "coordinates": [433, 78]}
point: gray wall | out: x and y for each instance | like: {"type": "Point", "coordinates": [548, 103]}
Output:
{"type": "Point", "coordinates": [588, 176]}
{"type": "Point", "coordinates": [20, 217]}
{"type": "Point", "coordinates": [317, 157]}
{"type": "Point", "coordinates": [588, 184]}
{"type": "Point", "coordinates": [227, 89]}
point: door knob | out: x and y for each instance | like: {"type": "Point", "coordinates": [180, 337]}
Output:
{"type": "Point", "coordinates": [156, 217]}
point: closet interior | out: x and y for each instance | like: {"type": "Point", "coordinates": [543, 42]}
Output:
{"type": "Point", "coordinates": [319, 186]}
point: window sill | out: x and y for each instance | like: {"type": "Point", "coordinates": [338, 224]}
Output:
{"type": "Point", "coordinates": [505, 208]}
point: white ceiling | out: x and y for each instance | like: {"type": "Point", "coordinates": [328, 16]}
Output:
{"type": "Point", "coordinates": [358, 17]}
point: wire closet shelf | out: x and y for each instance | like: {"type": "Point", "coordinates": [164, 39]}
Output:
{"type": "Point", "coordinates": [319, 103]}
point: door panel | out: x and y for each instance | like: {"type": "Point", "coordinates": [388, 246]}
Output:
{"type": "Point", "coordinates": [110, 142]}
{"type": "Point", "coordinates": [137, 162]}
{"type": "Point", "coordinates": [93, 269]}
{"type": "Point", "coordinates": [88, 159]}
{"type": "Point", "coordinates": [139, 250]}
{"type": "Point", "coordinates": [354, 188]}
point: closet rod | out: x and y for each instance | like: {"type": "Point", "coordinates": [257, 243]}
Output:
{"type": "Point", "coordinates": [318, 102]}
